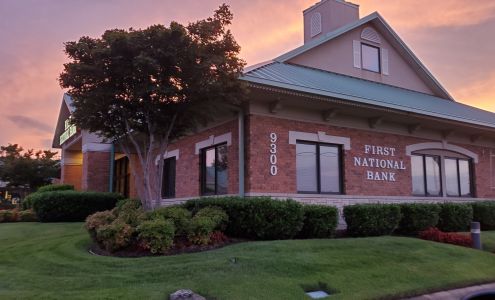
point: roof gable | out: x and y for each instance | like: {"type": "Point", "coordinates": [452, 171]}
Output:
{"type": "Point", "coordinates": [424, 81]}
{"type": "Point", "coordinates": [66, 109]}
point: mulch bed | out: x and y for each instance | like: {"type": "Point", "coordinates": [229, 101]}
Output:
{"type": "Point", "coordinates": [135, 251]}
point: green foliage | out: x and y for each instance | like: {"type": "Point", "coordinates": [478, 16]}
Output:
{"type": "Point", "coordinates": [114, 236]}
{"type": "Point", "coordinates": [98, 219]}
{"type": "Point", "coordinates": [7, 216]}
{"type": "Point", "coordinates": [320, 221]}
{"type": "Point", "coordinates": [180, 216]}
{"type": "Point", "coordinates": [157, 235]}
{"type": "Point", "coordinates": [484, 212]}
{"type": "Point", "coordinates": [417, 217]}
{"type": "Point", "coordinates": [200, 230]}
{"type": "Point", "coordinates": [130, 211]}
{"type": "Point", "coordinates": [27, 216]}
{"type": "Point", "coordinates": [455, 217]}
{"type": "Point", "coordinates": [27, 203]}
{"type": "Point", "coordinates": [27, 169]}
{"type": "Point", "coordinates": [372, 219]}
{"type": "Point", "coordinates": [259, 218]}
{"type": "Point", "coordinates": [218, 215]}
{"type": "Point", "coordinates": [158, 83]}
{"type": "Point", "coordinates": [56, 187]}
{"type": "Point", "coordinates": [71, 206]}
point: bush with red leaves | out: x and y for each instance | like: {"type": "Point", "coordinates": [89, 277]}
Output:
{"type": "Point", "coordinates": [434, 234]}
{"type": "Point", "coordinates": [217, 237]}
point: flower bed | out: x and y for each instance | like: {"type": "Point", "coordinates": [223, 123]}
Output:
{"type": "Point", "coordinates": [14, 215]}
{"type": "Point", "coordinates": [436, 235]}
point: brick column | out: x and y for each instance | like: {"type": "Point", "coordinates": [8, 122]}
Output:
{"type": "Point", "coordinates": [95, 170]}
{"type": "Point", "coordinates": [71, 168]}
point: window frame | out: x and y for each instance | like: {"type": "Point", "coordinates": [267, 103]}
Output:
{"type": "Point", "coordinates": [470, 172]}
{"type": "Point", "coordinates": [174, 171]}
{"type": "Point", "coordinates": [318, 168]}
{"type": "Point", "coordinates": [203, 170]}
{"type": "Point", "coordinates": [378, 54]}
{"type": "Point", "coordinates": [443, 155]}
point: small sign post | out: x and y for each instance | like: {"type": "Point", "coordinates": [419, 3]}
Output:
{"type": "Point", "coordinates": [476, 235]}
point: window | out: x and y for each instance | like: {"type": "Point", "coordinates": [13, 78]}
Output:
{"type": "Point", "coordinates": [370, 56]}
{"type": "Point", "coordinates": [426, 175]}
{"type": "Point", "coordinates": [428, 169]}
{"type": "Point", "coordinates": [458, 177]}
{"type": "Point", "coordinates": [318, 168]}
{"type": "Point", "coordinates": [214, 166]}
{"type": "Point", "coordinates": [121, 176]}
{"type": "Point", "coordinates": [168, 178]}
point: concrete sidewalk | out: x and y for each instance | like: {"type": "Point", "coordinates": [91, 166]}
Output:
{"type": "Point", "coordinates": [457, 294]}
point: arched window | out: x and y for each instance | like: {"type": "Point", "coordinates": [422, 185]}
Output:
{"type": "Point", "coordinates": [441, 172]}
{"type": "Point", "coordinates": [371, 35]}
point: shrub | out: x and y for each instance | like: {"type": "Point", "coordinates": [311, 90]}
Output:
{"type": "Point", "coordinates": [179, 216]}
{"type": "Point", "coordinates": [71, 206]}
{"type": "Point", "coordinates": [97, 220]}
{"type": "Point", "coordinates": [484, 212]}
{"type": "Point", "coordinates": [200, 230]}
{"type": "Point", "coordinates": [114, 236]}
{"type": "Point", "coordinates": [7, 216]}
{"type": "Point", "coordinates": [27, 202]}
{"type": "Point", "coordinates": [320, 221]}
{"type": "Point", "coordinates": [418, 217]}
{"type": "Point", "coordinates": [156, 235]}
{"type": "Point", "coordinates": [434, 234]}
{"type": "Point", "coordinates": [371, 219]}
{"type": "Point", "coordinates": [130, 211]}
{"type": "Point", "coordinates": [455, 217]}
{"type": "Point", "coordinates": [260, 218]}
{"type": "Point", "coordinates": [27, 216]}
{"type": "Point", "coordinates": [55, 187]}
{"type": "Point", "coordinates": [218, 215]}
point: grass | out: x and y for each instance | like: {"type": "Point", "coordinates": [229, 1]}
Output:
{"type": "Point", "coordinates": [50, 261]}
{"type": "Point", "coordinates": [488, 240]}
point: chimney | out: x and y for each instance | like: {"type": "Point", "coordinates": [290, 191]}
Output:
{"type": "Point", "coordinates": [326, 16]}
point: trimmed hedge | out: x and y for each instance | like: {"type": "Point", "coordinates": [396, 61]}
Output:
{"type": "Point", "coordinates": [55, 187]}
{"type": "Point", "coordinates": [484, 212]}
{"type": "Point", "coordinates": [455, 217]}
{"type": "Point", "coordinates": [320, 221]}
{"type": "Point", "coordinates": [372, 219]}
{"type": "Point", "coordinates": [71, 206]}
{"type": "Point", "coordinates": [418, 217]}
{"type": "Point", "coordinates": [27, 203]}
{"type": "Point", "coordinates": [258, 218]}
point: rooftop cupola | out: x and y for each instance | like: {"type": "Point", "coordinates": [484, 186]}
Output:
{"type": "Point", "coordinates": [326, 16]}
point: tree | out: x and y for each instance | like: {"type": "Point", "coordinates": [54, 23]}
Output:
{"type": "Point", "coordinates": [27, 169]}
{"type": "Point", "coordinates": [143, 88]}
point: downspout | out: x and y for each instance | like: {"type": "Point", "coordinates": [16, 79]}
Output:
{"type": "Point", "coordinates": [112, 165]}
{"type": "Point", "coordinates": [241, 153]}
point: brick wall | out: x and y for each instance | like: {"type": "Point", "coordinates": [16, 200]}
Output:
{"type": "Point", "coordinates": [355, 180]}
{"type": "Point", "coordinates": [72, 174]}
{"type": "Point", "coordinates": [96, 171]}
{"type": "Point", "coordinates": [188, 165]}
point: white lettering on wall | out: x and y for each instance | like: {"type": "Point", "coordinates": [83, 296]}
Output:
{"type": "Point", "coordinates": [273, 154]}
{"type": "Point", "coordinates": [385, 161]}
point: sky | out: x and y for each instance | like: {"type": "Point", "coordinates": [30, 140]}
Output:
{"type": "Point", "coordinates": [453, 38]}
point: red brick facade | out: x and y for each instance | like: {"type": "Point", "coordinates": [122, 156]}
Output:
{"type": "Point", "coordinates": [259, 179]}
{"type": "Point", "coordinates": [72, 174]}
{"type": "Point", "coordinates": [96, 171]}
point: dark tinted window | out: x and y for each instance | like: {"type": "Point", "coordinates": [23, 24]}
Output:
{"type": "Point", "coordinates": [318, 168]}
{"type": "Point", "coordinates": [214, 170]}
{"type": "Point", "coordinates": [168, 182]}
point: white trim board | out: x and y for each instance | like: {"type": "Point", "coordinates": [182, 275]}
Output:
{"type": "Point", "coordinates": [321, 137]}
{"type": "Point", "coordinates": [213, 140]}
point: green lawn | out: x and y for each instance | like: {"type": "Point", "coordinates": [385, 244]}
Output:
{"type": "Point", "coordinates": [50, 261]}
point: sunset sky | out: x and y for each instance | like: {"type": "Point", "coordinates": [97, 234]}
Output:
{"type": "Point", "coordinates": [453, 38]}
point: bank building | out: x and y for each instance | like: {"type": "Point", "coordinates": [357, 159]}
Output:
{"type": "Point", "coordinates": [351, 116]}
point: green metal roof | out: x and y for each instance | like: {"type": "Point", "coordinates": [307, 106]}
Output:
{"type": "Point", "coordinates": [328, 84]}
